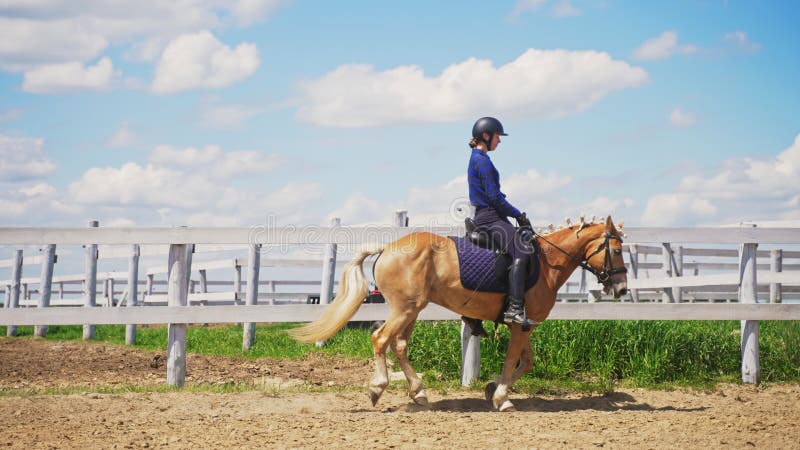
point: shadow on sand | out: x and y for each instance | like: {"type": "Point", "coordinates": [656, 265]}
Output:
{"type": "Point", "coordinates": [618, 401]}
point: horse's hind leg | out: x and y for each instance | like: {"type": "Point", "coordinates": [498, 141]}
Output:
{"type": "Point", "coordinates": [394, 325]}
{"type": "Point", "coordinates": [416, 390]}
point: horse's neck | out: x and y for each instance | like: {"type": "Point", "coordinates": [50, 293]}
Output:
{"type": "Point", "coordinates": [557, 266]}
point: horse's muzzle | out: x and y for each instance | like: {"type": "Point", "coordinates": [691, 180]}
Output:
{"type": "Point", "coordinates": [620, 289]}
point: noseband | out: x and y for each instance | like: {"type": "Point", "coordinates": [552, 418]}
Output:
{"type": "Point", "coordinates": [604, 275]}
{"type": "Point", "coordinates": [608, 266]}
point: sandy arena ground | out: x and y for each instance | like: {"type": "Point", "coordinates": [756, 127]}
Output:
{"type": "Point", "coordinates": [282, 416]}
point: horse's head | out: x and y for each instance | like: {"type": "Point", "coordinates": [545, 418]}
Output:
{"type": "Point", "coordinates": [603, 254]}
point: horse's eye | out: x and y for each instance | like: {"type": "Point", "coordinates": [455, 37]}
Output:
{"type": "Point", "coordinates": [617, 251]}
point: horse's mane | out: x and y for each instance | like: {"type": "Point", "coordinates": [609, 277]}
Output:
{"type": "Point", "coordinates": [576, 225]}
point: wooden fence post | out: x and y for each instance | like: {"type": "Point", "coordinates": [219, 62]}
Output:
{"type": "Point", "coordinates": [203, 282]}
{"type": "Point", "coordinates": [775, 265]}
{"type": "Point", "coordinates": [328, 269]}
{"type": "Point", "coordinates": [470, 345]}
{"type": "Point", "coordinates": [470, 355]}
{"type": "Point", "coordinates": [148, 287]}
{"type": "Point", "coordinates": [237, 281]}
{"type": "Point", "coordinates": [16, 277]}
{"type": "Point", "coordinates": [328, 272]}
{"type": "Point", "coordinates": [177, 295]}
{"type": "Point", "coordinates": [189, 253]}
{"type": "Point", "coordinates": [677, 292]}
{"type": "Point", "coordinates": [253, 265]}
{"type": "Point", "coordinates": [748, 293]}
{"type": "Point", "coordinates": [45, 284]}
{"type": "Point", "coordinates": [110, 291]}
{"type": "Point", "coordinates": [133, 292]}
{"type": "Point", "coordinates": [666, 252]}
{"type": "Point", "coordinates": [272, 291]}
{"type": "Point", "coordinates": [633, 254]}
{"type": "Point", "coordinates": [90, 283]}
{"type": "Point", "coordinates": [203, 289]}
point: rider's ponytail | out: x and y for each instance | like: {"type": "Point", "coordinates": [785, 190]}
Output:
{"type": "Point", "coordinates": [473, 142]}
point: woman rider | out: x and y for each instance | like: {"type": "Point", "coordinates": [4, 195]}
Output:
{"type": "Point", "coordinates": [492, 211]}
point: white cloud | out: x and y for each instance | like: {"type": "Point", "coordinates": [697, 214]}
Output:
{"type": "Point", "coordinates": [738, 190]}
{"type": "Point", "coordinates": [133, 184]}
{"type": "Point", "coordinates": [662, 47]}
{"type": "Point", "coordinates": [359, 209]}
{"type": "Point", "coordinates": [227, 117]}
{"type": "Point", "coordinates": [564, 8]}
{"type": "Point", "coordinates": [34, 204]}
{"type": "Point", "coordinates": [602, 206]}
{"type": "Point", "coordinates": [216, 163]}
{"type": "Point", "coordinates": [523, 6]}
{"type": "Point", "coordinates": [123, 137]}
{"type": "Point", "coordinates": [185, 181]}
{"type": "Point", "coordinates": [538, 84]}
{"type": "Point", "coordinates": [68, 77]}
{"type": "Point", "coordinates": [680, 118]}
{"type": "Point", "coordinates": [23, 159]}
{"type": "Point", "coordinates": [55, 31]}
{"type": "Point", "coordinates": [199, 60]}
{"type": "Point", "coordinates": [186, 157]}
{"type": "Point", "coordinates": [75, 33]}
{"type": "Point", "coordinates": [739, 40]}
{"type": "Point", "coordinates": [28, 43]}
{"type": "Point", "coordinates": [247, 12]}
{"type": "Point", "coordinates": [38, 190]}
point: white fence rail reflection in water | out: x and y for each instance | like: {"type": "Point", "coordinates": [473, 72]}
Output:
{"type": "Point", "coordinates": [671, 287]}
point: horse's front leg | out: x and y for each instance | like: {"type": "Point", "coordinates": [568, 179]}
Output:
{"type": "Point", "coordinates": [516, 346]}
{"type": "Point", "coordinates": [525, 364]}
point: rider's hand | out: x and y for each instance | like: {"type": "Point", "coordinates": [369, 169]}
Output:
{"type": "Point", "coordinates": [523, 222]}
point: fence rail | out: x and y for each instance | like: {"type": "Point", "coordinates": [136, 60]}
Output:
{"type": "Point", "coordinates": [674, 280]}
{"type": "Point", "coordinates": [373, 312]}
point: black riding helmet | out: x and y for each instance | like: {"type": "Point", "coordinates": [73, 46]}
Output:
{"type": "Point", "coordinates": [487, 125]}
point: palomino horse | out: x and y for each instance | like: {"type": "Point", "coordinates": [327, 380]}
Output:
{"type": "Point", "coordinates": [423, 267]}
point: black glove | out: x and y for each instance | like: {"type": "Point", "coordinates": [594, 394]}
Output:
{"type": "Point", "coordinates": [523, 222]}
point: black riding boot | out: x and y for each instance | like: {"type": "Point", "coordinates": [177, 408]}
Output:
{"type": "Point", "coordinates": [516, 295]}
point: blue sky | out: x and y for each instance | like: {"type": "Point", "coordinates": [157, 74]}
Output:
{"type": "Point", "coordinates": [211, 113]}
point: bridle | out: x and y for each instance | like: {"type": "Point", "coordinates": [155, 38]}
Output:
{"type": "Point", "coordinates": [604, 275]}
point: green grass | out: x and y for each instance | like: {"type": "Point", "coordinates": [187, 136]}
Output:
{"type": "Point", "coordinates": [572, 355]}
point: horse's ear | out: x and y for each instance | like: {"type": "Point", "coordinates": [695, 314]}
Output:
{"type": "Point", "coordinates": [609, 225]}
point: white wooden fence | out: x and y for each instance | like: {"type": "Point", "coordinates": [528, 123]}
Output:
{"type": "Point", "coordinates": [671, 284]}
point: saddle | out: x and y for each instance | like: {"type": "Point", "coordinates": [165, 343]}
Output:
{"type": "Point", "coordinates": [482, 239]}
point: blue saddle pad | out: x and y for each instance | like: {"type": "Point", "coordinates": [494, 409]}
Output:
{"type": "Point", "coordinates": [476, 266]}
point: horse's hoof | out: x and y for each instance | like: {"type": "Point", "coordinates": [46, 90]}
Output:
{"type": "Point", "coordinates": [489, 392]}
{"type": "Point", "coordinates": [421, 399]}
{"type": "Point", "coordinates": [507, 406]}
{"type": "Point", "coordinates": [374, 397]}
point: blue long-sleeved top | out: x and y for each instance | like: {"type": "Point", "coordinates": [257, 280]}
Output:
{"type": "Point", "coordinates": [484, 185]}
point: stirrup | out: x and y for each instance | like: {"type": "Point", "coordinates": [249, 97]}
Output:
{"type": "Point", "coordinates": [519, 318]}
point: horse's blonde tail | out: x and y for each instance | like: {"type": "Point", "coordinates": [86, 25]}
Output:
{"type": "Point", "coordinates": [352, 291]}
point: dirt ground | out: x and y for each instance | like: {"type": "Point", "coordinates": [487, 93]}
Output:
{"type": "Point", "coordinates": [283, 416]}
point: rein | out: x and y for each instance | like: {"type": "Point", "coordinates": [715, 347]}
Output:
{"type": "Point", "coordinates": [608, 266]}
